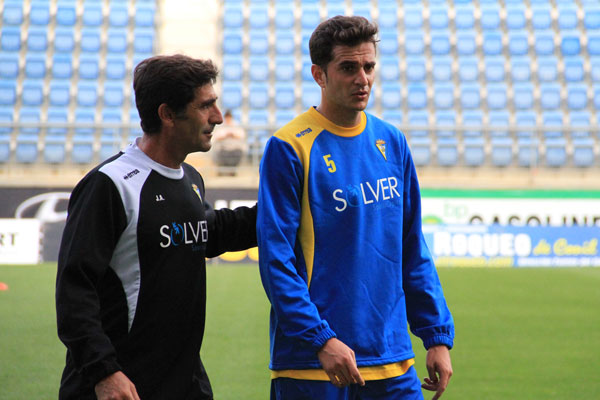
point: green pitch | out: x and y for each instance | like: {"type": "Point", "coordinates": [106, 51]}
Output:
{"type": "Point", "coordinates": [521, 334]}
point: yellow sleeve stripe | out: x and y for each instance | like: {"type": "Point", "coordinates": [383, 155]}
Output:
{"type": "Point", "coordinates": [368, 373]}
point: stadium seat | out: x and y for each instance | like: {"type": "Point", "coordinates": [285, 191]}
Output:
{"type": "Point", "coordinates": [541, 18]}
{"type": "Point", "coordinates": [567, 17]}
{"type": "Point", "coordinates": [494, 69]}
{"type": "Point", "coordinates": [310, 17]}
{"type": "Point", "coordinates": [501, 153]}
{"type": "Point", "coordinates": [474, 151]}
{"type": "Point", "coordinates": [440, 44]}
{"type": "Point", "coordinates": [443, 96]}
{"type": "Point", "coordinates": [472, 121]}
{"type": "Point", "coordinates": [498, 122]}
{"type": "Point", "coordinates": [391, 96]}
{"type": "Point", "coordinates": [447, 151]}
{"type": "Point", "coordinates": [258, 70]}
{"type": "Point", "coordinates": [143, 42]}
{"type": "Point", "coordinates": [9, 66]}
{"type": "Point", "coordinates": [389, 69]}
{"type": "Point", "coordinates": [413, 18]}
{"type": "Point", "coordinates": [37, 40]}
{"type": "Point", "coordinates": [577, 97]}
{"type": "Point", "coordinates": [438, 18]}
{"type": "Point", "coordinates": [232, 69]}
{"type": "Point", "coordinates": [570, 46]}
{"type": "Point", "coordinates": [12, 14]}
{"type": "Point", "coordinates": [441, 69]}
{"type": "Point", "coordinates": [144, 15]}
{"type": "Point", "coordinates": [420, 148]}
{"type": "Point", "coordinates": [311, 95]}
{"type": "Point", "coordinates": [87, 94]}
{"type": "Point", "coordinates": [414, 44]}
{"type": "Point", "coordinates": [118, 15]}
{"type": "Point", "coordinates": [10, 39]}
{"type": "Point", "coordinates": [89, 67]}
{"type": "Point", "coordinates": [113, 95]}
{"type": "Point", "coordinates": [583, 152]}
{"type": "Point", "coordinates": [515, 18]}
{"type": "Point", "coordinates": [26, 150]}
{"type": "Point", "coordinates": [285, 96]}
{"type": "Point", "coordinates": [446, 119]}
{"type": "Point", "coordinates": [523, 96]}
{"type": "Point", "coordinates": [64, 40]}
{"type": "Point", "coordinates": [8, 93]}
{"type": "Point", "coordinates": [284, 16]}
{"type": "Point", "coordinates": [59, 94]}
{"type": "Point", "coordinates": [284, 43]}
{"type": "Point", "coordinates": [552, 123]}
{"type": "Point", "coordinates": [573, 69]}
{"type": "Point", "coordinates": [393, 117]}
{"type": "Point", "coordinates": [496, 96]}
{"type": "Point", "coordinates": [492, 44]}
{"type": "Point", "coordinates": [282, 117]}
{"type": "Point", "coordinates": [520, 69]}
{"type": "Point", "coordinates": [232, 43]}
{"type": "Point", "coordinates": [116, 41]}
{"type": "Point", "coordinates": [595, 69]}
{"type": "Point", "coordinates": [490, 18]}
{"type": "Point", "coordinates": [593, 45]}
{"type": "Point", "coordinates": [470, 97]}
{"type": "Point", "coordinates": [285, 69]}
{"type": "Point", "coordinates": [518, 44]}
{"type": "Point", "coordinates": [388, 17]}
{"type": "Point", "coordinates": [258, 17]}
{"type": "Point", "coordinates": [62, 66]}
{"type": "Point", "coordinates": [547, 69]}
{"type": "Point", "coordinates": [92, 15]}
{"type": "Point", "coordinates": [544, 44]}
{"type": "Point", "coordinates": [116, 68]}
{"type": "Point", "coordinates": [466, 44]}
{"type": "Point", "coordinates": [82, 151]}
{"type": "Point", "coordinates": [111, 137]}
{"type": "Point", "coordinates": [468, 70]}
{"type": "Point", "coordinates": [415, 69]}
{"type": "Point", "coordinates": [66, 14]}
{"type": "Point", "coordinates": [417, 97]}
{"type": "Point", "coordinates": [334, 9]}
{"type": "Point", "coordinates": [464, 17]}
{"type": "Point", "coordinates": [258, 43]}
{"type": "Point", "coordinates": [578, 121]}
{"type": "Point", "coordinates": [388, 46]}
{"type": "Point", "coordinates": [32, 94]}
{"type": "Point", "coordinates": [591, 19]}
{"type": "Point", "coordinates": [91, 41]}
{"type": "Point", "coordinates": [417, 120]}
{"type": "Point", "coordinates": [258, 95]}
{"type": "Point", "coordinates": [231, 97]}
{"type": "Point", "coordinates": [556, 152]}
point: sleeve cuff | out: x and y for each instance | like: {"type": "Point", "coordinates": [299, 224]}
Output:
{"type": "Point", "coordinates": [98, 371]}
{"type": "Point", "coordinates": [323, 337]}
{"type": "Point", "coordinates": [439, 340]}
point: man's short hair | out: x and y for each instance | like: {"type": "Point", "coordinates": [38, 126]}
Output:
{"type": "Point", "coordinates": [171, 80]}
{"type": "Point", "coordinates": [336, 31]}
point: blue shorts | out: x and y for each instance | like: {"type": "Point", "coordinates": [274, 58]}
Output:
{"type": "Point", "coordinates": [405, 387]}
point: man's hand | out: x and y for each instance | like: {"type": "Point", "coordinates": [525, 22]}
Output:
{"type": "Point", "coordinates": [339, 363]}
{"type": "Point", "coordinates": [439, 367]}
{"type": "Point", "coordinates": [116, 387]}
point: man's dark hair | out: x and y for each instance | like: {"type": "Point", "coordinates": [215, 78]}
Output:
{"type": "Point", "coordinates": [171, 80]}
{"type": "Point", "coordinates": [339, 30]}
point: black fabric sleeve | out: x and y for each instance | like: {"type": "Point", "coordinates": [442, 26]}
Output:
{"type": "Point", "coordinates": [230, 230]}
{"type": "Point", "coordinates": [96, 219]}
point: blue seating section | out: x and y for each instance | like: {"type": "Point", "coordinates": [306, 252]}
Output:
{"type": "Point", "coordinates": [65, 68]}
{"type": "Point", "coordinates": [493, 73]}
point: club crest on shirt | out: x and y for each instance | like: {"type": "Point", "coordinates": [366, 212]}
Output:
{"type": "Point", "coordinates": [380, 143]}
{"type": "Point", "coordinates": [197, 190]}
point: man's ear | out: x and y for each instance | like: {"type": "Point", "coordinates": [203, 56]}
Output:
{"type": "Point", "coordinates": [318, 75]}
{"type": "Point", "coordinates": [166, 115]}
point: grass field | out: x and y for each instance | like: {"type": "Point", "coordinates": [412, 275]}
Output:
{"type": "Point", "coordinates": [520, 333]}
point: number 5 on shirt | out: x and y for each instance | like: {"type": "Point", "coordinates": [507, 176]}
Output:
{"type": "Point", "coordinates": [329, 163]}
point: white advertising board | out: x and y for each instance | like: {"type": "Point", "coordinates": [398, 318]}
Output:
{"type": "Point", "coordinates": [19, 241]}
{"type": "Point", "coordinates": [511, 211]}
